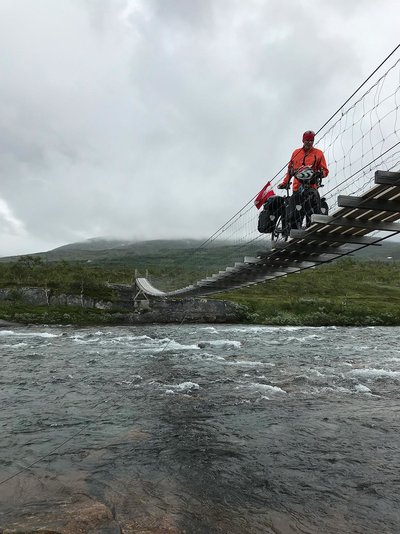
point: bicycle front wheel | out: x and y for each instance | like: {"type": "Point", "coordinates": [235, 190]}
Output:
{"type": "Point", "coordinates": [279, 231]}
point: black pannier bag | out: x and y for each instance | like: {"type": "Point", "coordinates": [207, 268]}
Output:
{"type": "Point", "coordinates": [272, 210]}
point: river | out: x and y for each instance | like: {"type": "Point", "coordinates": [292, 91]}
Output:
{"type": "Point", "coordinates": [200, 429]}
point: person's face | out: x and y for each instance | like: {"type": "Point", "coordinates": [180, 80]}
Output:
{"type": "Point", "coordinates": [308, 144]}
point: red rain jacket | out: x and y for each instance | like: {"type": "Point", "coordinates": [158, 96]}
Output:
{"type": "Point", "coordinates": [314, 158]}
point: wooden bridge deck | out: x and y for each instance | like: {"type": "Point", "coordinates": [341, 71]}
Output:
{"type": "Point", "coordinates": [328, 238]}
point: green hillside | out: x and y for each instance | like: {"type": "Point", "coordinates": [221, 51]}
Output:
{"type": "Point", "coordinates": [345, 292]}
{"type": "Point", "coordinates": [171, 264]}
{"type": "Point", "coordinates": [186, 253]}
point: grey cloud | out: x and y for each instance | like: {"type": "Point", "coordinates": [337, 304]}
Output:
{"type": "Point", "coordinates": [195, 15]}
{"type": "Point", "coordinates": [160, 118]}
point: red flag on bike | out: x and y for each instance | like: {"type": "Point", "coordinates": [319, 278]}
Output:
{"type": "Point", "coordinates": [263, 195]}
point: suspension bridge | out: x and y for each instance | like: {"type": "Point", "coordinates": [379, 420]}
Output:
{"type": "Point", "coordinates": [361, 143]}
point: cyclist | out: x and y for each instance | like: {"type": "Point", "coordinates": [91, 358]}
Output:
{"type": "Point", "coordinates": [306, 156]}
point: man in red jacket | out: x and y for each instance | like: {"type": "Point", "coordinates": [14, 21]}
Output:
{"type": "Point", "coordinates": [304, 158]}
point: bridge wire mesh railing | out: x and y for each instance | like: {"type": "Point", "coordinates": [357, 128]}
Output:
{"type": "Point", "coordinates": [362, 136]}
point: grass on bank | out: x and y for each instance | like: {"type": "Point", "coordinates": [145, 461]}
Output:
{"type": "Point", "coordinates": [73, 277]}
{"type": "Point", "coordinates": [66, 315]}
{"type": "Point", "coordinates": [346, 292]}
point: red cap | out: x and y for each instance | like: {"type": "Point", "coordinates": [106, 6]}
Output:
{"type": "Point", "coordinates": [308, 136]}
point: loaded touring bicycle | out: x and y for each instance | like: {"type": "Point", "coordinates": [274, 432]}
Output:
{"type": "Point", "coordinates": [280, 214]}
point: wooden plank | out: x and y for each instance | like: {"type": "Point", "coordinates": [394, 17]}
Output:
{"type": "Point", "coordinates": [317, 258]}
{"type": "Point", "coordinates": [289, 269]}
{"type": "Point", "coordinates": [335, 238]}
{"type": "Point", "coordinates": [368, 204]}
{"type": "Point", "coordinates": [356, 223]}
{"type": "Point", "coordinates": [297, 265]}
{"type": "Point", "coordinates": [387, 178]}
{"type": "Point", "coordinates": [321, 258]}
{"type": "Point", "coordinates": [272, 274]}
{"type": "Point", "coordinates": [317, 248]}
{"type": "Point", "coordinates": [260, 272]}
{"type": "Point", "coordinates": [278, 264]}
{"type": "Point", "coordinates": [250, 260]}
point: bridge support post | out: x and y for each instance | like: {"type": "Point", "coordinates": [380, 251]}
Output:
{"type": "Point", "coordinates": [140, 299]}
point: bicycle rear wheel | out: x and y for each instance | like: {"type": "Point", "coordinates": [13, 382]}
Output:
{"type": "Point", "coordinates": [279, 232]}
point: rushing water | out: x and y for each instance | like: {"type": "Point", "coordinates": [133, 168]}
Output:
{"type": "Point", "coordinates": [200, 429]}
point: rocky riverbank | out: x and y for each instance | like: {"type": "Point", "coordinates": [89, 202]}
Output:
{"type": "Point", "coordinates": [32, 305]}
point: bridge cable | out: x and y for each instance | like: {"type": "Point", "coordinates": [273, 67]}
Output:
{"type": "Point", "coordinates": [278, 172]}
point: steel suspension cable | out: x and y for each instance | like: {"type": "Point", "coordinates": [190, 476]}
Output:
{"type": "Point", "coordinates": [215, 234]}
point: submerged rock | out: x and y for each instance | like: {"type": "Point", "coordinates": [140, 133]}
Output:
{"type": "Point", "coordinates": [79, 518]}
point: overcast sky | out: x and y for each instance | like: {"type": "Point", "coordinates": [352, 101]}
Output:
{"type": "Point", "coordinates": [149, 119]}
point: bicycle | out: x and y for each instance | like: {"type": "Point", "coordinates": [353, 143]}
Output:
{"type": "Point", "coordinates": [281, 214]}
{"type": "Point", "coordinates": [281, 228]}
{"type": "Point", "coordinates": [306, 201]}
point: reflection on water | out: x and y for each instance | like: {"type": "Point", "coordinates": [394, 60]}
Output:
{"type": "Point", "coordinates": [201, 430]}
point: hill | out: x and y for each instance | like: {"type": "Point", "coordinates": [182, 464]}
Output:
{"type": "Point", "coordinates": [124, 247]}
{"type": "Point", "coordinates": [182, 261]}
{"type": "Point", "coordinates": [362, 290]}
{"type": "Point", "coordinates": [101, 248]}
{"type": "Point", "coordinates": [184, 258]}
{"type": "Point", "coordinates": [169, 263]}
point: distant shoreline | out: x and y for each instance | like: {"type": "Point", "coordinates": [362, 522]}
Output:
{"type": "Point", "coordinates": [343, 293]}
{"type": "Point", "coordinates": [34, 316]}
{"type": "Point", "coordinates": [93, 312]}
